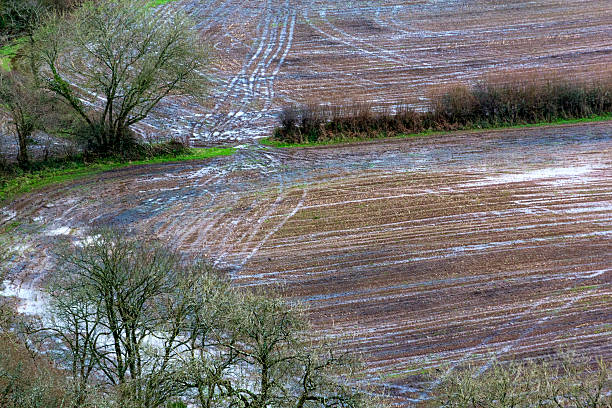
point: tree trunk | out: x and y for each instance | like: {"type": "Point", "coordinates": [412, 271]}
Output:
{"type": "Point", "coordinates": [22, 155]}
{"type": "Point", "coordinates": [264, 386]}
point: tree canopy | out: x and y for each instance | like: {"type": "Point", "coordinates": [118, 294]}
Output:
{"type": "Point", "coordinates": [151, 328]}
{"type": "Point", "coordinates": [112, 62]}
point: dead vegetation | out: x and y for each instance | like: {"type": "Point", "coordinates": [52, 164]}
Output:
{"type": "Point", "coordinates": [569, 382]}
{"type": "Point", "coordinates": [485, 105]}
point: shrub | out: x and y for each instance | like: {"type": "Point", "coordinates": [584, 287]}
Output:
{"type": "Point", "coordinates": [569, 383]}
{"type": "Point", "coordinates": [486, 104]}
{"type": "Point", "coordinates": [28, 381]}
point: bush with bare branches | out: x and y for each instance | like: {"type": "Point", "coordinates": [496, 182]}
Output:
{"type": "Point", "coordinates": [485, 105]}
{"type": "Point", "coordinates": [568, 383]}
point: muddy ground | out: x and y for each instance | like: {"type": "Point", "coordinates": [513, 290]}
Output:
{"type": "Point", "coordinates": [267, 54]}
{"type": "Point", "coordinates": [420, 253]}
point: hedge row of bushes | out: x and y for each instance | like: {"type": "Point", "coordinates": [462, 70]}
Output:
{"type": "Point", "coordinates": [485, 105]}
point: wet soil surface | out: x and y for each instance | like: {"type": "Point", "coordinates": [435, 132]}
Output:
{"type": "Point", "coordinates": [420, 253]}
{"type": "Point", "coordinates": [271, 53]}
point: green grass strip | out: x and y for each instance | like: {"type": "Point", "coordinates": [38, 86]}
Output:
{"type": "Point", "coordinates": [9, 51]}
{"type": "Point", "coordinates": [5, 64]}
{"type": "Point", "coordinates": [30, 181]}
{"type": "Point", "coordinates": [277, 143]}
{"type": "Point", "coordinates": [155, 3]}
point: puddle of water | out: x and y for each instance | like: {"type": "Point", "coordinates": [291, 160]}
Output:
{"type": "Point", "coordinates": [30, 301]}
{"type": "Point", "coordinates": [573, 174]}
{"type": "Point", "coordinates": [59, 231]}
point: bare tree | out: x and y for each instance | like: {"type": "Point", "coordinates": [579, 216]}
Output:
{"type": "Point", "coordinates": [114, 61]}
{"type": "Point", "coordinates": [30, 108]}
{"type": "Point", "coordinates": [130, 315]}
{"type": "Point", "coordinates": [154, 328]}
{"type": "Point", "coordinates": [20, 100]}
{"type": "Point", "coordinates": [118, 311]}
{"type": "Point", "coordinates": [210, 369]}
{"type": "Point", "coordinates": [256, 351]}
{"type": "Point", "coordinates": [76, 322]}
{"type": "Point", "coordinates": [285, 365]}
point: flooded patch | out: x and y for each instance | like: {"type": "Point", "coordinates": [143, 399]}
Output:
{"type": "Point", "coordinates": [30, 300]}
{"type": "Point", "coordinates": [555, 175]}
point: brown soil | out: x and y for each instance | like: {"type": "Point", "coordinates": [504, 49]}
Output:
{"type": "Point", "coordinates": [271, 53]}
{"type": "Point", "coordinates": [420, 253]}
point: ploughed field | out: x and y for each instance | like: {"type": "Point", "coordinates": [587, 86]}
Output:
{"type": "Point", "coordinates": [420, 254]}
{"type": "Point", "coordinates": [266, 54]}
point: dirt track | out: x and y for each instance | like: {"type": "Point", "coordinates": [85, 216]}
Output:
{"type": "Point", "coordinates": [430, 251]}
{"type": "Point", "coordinates": [270, 53]}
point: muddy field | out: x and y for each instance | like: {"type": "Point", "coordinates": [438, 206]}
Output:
{"type": "Point", "coordinates": [271, 53]}
{"type": "Point", "coordinates": [422, 253]}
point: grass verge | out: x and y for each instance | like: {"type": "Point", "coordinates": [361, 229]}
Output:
{"type": "Point", "coordinates": [63, 171]}
{"type": "Point", "coordinates": [8, 52]}
{"type": "Point", "coordinates": [270, 141]}
{"type": "Point", "coordinates": [155, 3]}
